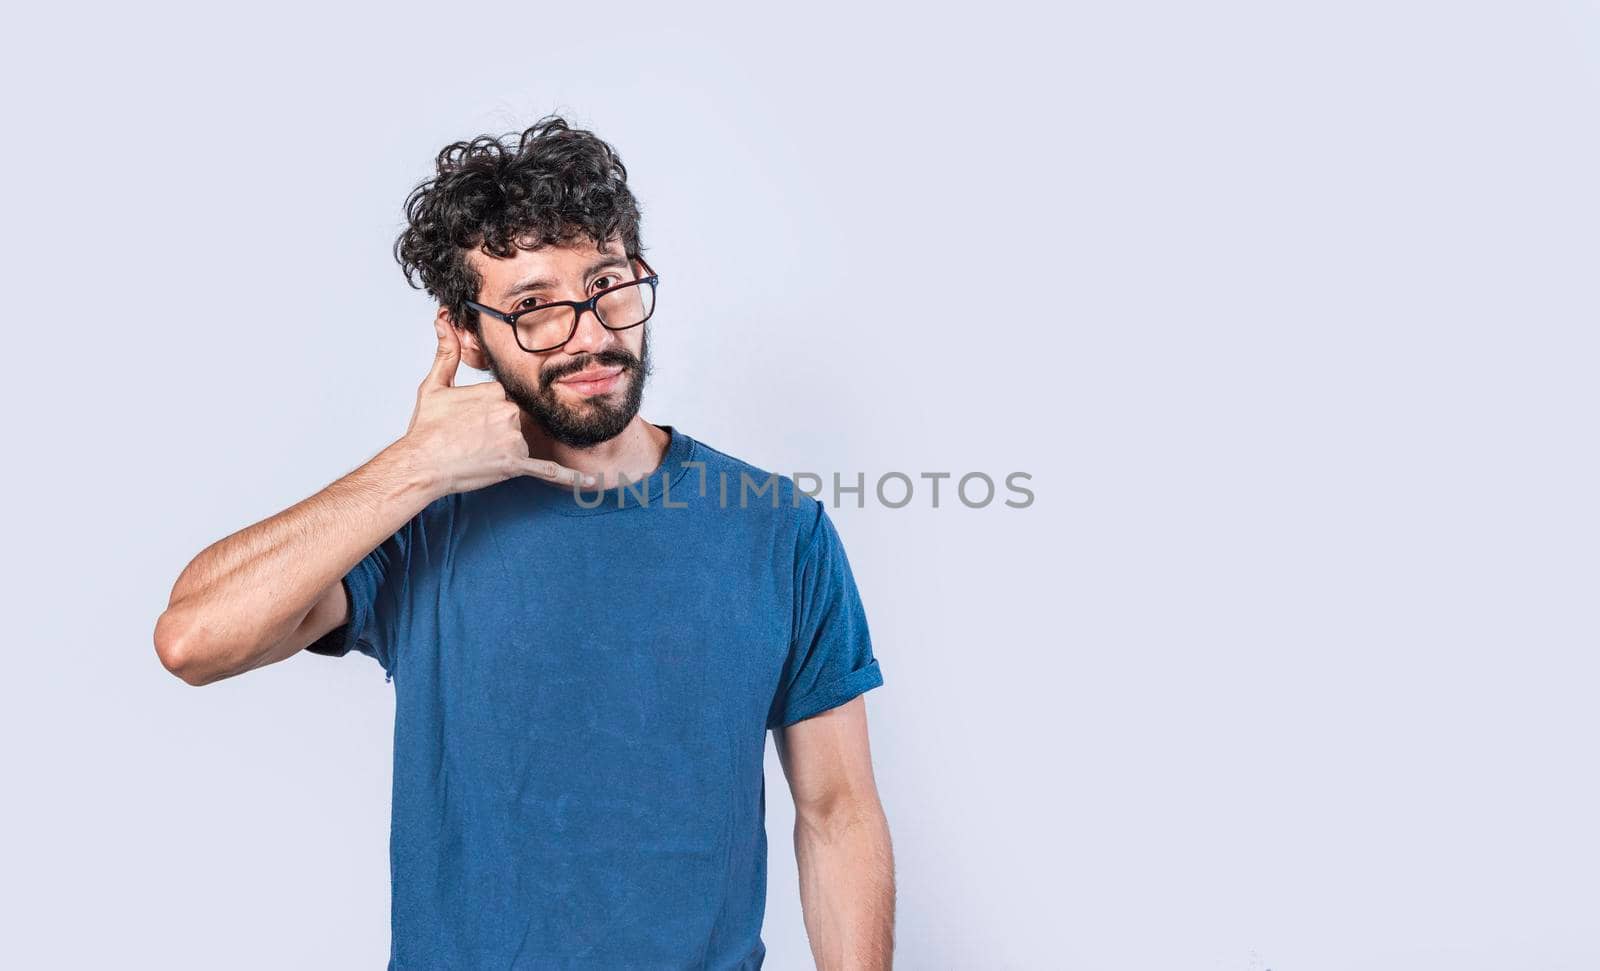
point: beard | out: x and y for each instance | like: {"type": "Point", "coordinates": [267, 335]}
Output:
{"type": "Point", "coordinates": [595, 419]}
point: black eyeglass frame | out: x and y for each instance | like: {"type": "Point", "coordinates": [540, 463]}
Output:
{"type": "Point", "coordinates": [578, 307]}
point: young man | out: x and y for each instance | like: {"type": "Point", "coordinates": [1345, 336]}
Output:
{"type": "Point", "coordinates": [590, 621]}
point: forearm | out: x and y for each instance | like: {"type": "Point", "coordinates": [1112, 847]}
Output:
{"type": "Point", "coordinates": [847, 892]}
{"type": "Point", "coordinates": [245, 594]}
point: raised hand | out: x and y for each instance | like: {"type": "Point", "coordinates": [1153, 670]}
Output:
{"type": "Point", "coordinates": [471, 437]}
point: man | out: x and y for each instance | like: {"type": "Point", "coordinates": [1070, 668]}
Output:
{"type": "Point", "coordinates": [590, 621]}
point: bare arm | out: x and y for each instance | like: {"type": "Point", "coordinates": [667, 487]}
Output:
{"type": "Point", "coordinates": [841, 840]}
{"type": "Point", "coordinates": [273, 588]}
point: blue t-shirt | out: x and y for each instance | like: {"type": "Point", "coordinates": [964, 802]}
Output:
{"type": "Point", "coordinates": [582, 697]}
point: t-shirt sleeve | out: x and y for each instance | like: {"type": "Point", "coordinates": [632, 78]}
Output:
{"type": "Point", "coordinates": [373, 587]}
{"type": "Point", "coordinates": [830, 656]}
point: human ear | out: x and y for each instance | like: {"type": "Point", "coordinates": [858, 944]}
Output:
{"type": "Point", "coordinates": [472, 354]}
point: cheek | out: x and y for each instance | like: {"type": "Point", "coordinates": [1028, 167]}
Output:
{"type": "Point", "coordinates": [508, 361]}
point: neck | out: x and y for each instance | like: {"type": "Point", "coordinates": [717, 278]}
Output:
{"type": "Point", "coordinates": [635, 452]}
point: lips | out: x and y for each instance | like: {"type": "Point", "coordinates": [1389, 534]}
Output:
{"type": "Point", "coordinates": [592, 374]}
{"type": "Point", "coordinates": [593, 380]}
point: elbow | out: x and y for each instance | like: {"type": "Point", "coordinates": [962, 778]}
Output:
{"type": "Point", "coordinates": [175, 650]}
{"type": "Point", "coordinates": [830, 819]}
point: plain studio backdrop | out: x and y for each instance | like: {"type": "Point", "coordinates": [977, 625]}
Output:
{"type": "Point", "coordinates": [1288, 310]}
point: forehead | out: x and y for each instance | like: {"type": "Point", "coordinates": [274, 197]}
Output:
{"type": "Point", "coordinates": [551, 263]}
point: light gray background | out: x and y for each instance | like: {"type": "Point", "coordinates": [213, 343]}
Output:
{"type": "Point", "coordinates": [1288, 309]}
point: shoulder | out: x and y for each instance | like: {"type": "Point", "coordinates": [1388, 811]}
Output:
{"type": "Point", "coordinates": [742, 486]}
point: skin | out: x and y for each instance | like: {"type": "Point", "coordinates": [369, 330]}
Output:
{"type": "Point", "coordinates": [273, 588]}
{"type": "Point", "coordinates": [841, 839]}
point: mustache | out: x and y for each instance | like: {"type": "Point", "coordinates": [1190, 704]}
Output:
{"type": "Point", "coordinates": [610, 357]}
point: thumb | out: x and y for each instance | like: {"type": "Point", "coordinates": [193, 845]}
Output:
{"type": "Point", "coordinates": [448, 358]}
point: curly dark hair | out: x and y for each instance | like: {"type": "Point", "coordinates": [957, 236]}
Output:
{"type": "Point", "coordinates": [553, 184]}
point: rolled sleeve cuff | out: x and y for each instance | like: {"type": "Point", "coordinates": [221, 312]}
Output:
{"type": "Point", "coordinates": [359, 585]}
{"type": "Point", "coordinates": [833, 694]}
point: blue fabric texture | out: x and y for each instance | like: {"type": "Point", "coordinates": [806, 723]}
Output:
{"type": "Point", "coordinates": [583, 686]}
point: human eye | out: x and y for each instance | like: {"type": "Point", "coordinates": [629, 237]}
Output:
{"type": "Point", "coordinates": [527, 303]}
{"type": "Point", "coordinates": [608, 276]}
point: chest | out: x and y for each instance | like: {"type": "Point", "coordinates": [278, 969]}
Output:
{"type": "Point", "coordinates": [673, 630]}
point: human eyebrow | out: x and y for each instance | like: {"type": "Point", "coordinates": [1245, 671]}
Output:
{"type": "Point", "coordinates": [545, 283]}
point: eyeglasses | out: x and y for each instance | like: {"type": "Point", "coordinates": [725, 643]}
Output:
{"type": "Point", "coordinates": [550, 325]}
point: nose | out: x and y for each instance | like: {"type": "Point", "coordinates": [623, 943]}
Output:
{"type": "Point", "coordinates": [591, 335]}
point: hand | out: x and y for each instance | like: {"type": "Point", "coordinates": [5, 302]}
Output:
{"type": "Point", "coordinates": [471, 437]}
